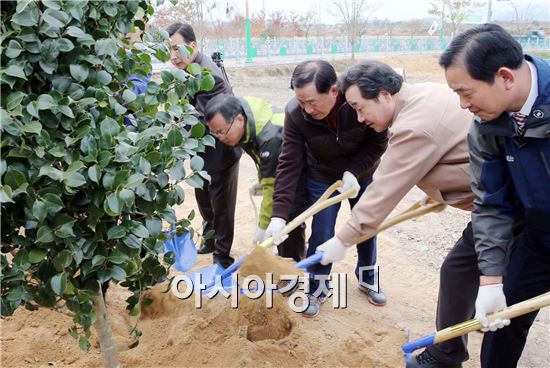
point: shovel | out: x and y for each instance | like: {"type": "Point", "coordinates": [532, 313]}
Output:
{"type": "Point", "coordinates": [463, 328]}
{"type": "Point", "coordinates": [323, 202]}
{"type": "Point", "coordinates": [416, 210]}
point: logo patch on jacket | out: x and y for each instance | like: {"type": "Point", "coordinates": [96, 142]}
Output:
{"type": "Point", "coordinates": [510, 158]}
{"type": "Point", "coordinates": [264, 154]}
{"type": "Point", "coordinates": [538, 114]}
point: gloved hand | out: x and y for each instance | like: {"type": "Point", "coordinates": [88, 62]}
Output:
{"type": "Point", "coordinates": [490, 298]}
{"type": "Point", "coordinates": [274, 230]}
{"type": "Point", "coordinates": [333, 250]}
{"type": "Point", "coordinates": [349, 181]}
{"type": "Point", "coordinates": [255, 189]}
{"type": "Point", "coordinates": [258, 236]}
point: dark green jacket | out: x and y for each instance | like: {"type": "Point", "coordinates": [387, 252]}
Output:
{"type": "Point", "coordinates": [263, 140]}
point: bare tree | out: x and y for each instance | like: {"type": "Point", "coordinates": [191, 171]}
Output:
{"type": "Point", "coordinates": [453, 11]}
{"type": "Point", "coordinates": [354, 15]}
{"type": "Point", "coordinates": [522, 12]}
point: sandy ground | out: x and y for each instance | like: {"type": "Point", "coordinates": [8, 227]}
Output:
{"type": "Point", "coordinates": [177, 334]}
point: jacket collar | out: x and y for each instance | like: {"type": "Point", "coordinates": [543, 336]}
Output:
{"type": "Point", "coordinates": [250, 125]}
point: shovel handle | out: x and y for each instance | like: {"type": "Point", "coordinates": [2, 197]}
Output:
{"type": "Point", "coordinates": [416, 210]}
{"type": "Point", "coordinates": [323, 202]}
{"type": "Point", "coordinates": [463, 328]}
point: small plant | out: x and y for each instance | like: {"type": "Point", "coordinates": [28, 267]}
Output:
{"type": "Point", "coordinates": [89, 169]}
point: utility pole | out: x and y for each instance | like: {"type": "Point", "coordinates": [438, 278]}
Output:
{"type": "Point", "coordinates": [489, 11]}
{"type": "Point", "coordinates": [248, 37]}
{"type": "Point", "coordinates": [442, 22]}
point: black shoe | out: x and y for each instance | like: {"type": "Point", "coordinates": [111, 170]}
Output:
{"type": "Point", "coordinates": [426, 360]}
{"type": "Point", "coordinates": [205, 249]}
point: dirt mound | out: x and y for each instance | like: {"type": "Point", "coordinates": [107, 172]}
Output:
{"type": "Point", "coordinates": [261, 261]}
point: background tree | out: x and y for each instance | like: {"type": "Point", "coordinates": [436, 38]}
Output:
{"type": "Point", "coordinates": [521, 13]}
{"type": "Point", "coordinates": [354, 15]}
{"type": "Point", "coordinates": [453, 11]}
{"type": "Point", "coordinates": [89, 170]}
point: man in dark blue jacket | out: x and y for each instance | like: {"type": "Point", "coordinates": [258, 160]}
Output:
{"type": "Point", "coordinates": [510, 166]}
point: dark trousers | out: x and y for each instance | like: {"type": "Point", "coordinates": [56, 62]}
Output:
{"type": "Point", "coordinates": [528, 275]}
{"type": "Point", "coordinates": [216, 203]}
{"type": "Point", "coordinates": [458, 285]}
{"type": "Point", "coordinates": [295, 246]}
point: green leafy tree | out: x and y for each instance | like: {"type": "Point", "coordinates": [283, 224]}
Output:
{"type": "Point", "coordinates": [90, 169]}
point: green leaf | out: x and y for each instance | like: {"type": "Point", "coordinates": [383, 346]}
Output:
{"type": "Point", "coordinates": [117, 273]}
{"type": "Point", "coordinates": [14, 178]}
{"type": "Point", "coordinates": [55, 18]}
{"type": "Point", "coordinates": [194, 69]}
{"type": "Point", "coordinates": [65, 229]}
{"type": "Point", "coordinates": [45, 102]}
{"type": "Point", "coordinates": [65, 45]}
{"type": "Point", "coordinates": [197, 163]}
{"type": "Point", "coordinates": [113, 205]}
{"type": "Point", "coordinates": [94, 173]}
{"type": "Point", "coordinates": [207, 82]}
{"type": "Point", "coordinates": [84, 344]}
{"type": "Point", "coordinates": [32, 108]}
{"type": "Point", "coordinates": [15, 71]}
{"type": "Point", "coordinates": [58, 283]}
{"type": "Point", "coordinates": [66, 110]}
{"type": "Point", "coordinates": [134, 180]}
{"type": "Point", "coordinates": [118, 257]}
{"type": "Point", "coordinates": [180, 75]}
{"type": "Point", "coordinates": [128, 96]}
{"type": "Point", "coordinates": [138, 229]}
{"type": "Point", "coordinates": [116, 232]}
{"type": "Point", "coordinates": [53, 4]}
{"type": "Point", "coordinates": [51, 172]}
{"type": "Point", "coordinates": [109, 127]}
{"type": "Point", "coordinates": [44, 235]}
{"type": "Point", "coordinates": [14, 100]}
{"type": "Point", "coordinates": [144, 166]}
{"type": "Point", "coordinates": [154, 226]}
{"type": "Point", "coordinates": [36, 255]}
{"type": "Point", "coordinates": [14, 49]}
{"type": "Point", "coordinates": [195, 181]}
{"type": "Point", "coordinates": [39, 210]}
{"type": "Point", "coordinates": [98, 260]}
{"type": "Point", "coordinates": [175, 138]}
{"type": "Point", "coordinates": [32, 127]}
{"type": "Point", "coordinates": [53, 203]}
{"type": "Point", "coordinates": [209, 141]}
{"type": "Point", "coordinates": [166, 76]}
{"type": "Point", "coordinates": [127, 196]}
{"type": "Point", "coordinates": [198, 130]}
{"type": "Point", "coordinates": [106, 47]}
{"type": "Point", "coordinates": [79, 72]}
{"type": "Point", "coordinates": [62, 260]}
{"type": "Point", "coordinates": [103, 77]}
{"type": "Point", "coordinates": [152, 88]}
{"type": "Point", "coordinates": [74, 180]}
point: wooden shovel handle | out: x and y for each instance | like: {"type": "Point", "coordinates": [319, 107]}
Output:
{"type": "Point", "coordinates": [323, 202]}
{"type": "Point", "coordinates": [417, 209]}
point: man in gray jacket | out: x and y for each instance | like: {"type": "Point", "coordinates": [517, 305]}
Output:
{"type": "Point", "coordinates": [217, 199]}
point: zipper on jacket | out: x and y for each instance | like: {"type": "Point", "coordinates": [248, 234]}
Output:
{"type": "Point", "coordinates": [546, 166]}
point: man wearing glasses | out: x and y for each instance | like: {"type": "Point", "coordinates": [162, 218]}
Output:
{"type": "Point", "coordinates": [251, 123]}
{"type": "Point", "coordinates": [217, 199]}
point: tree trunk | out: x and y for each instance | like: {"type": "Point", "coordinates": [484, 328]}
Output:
{"type": "Point", "coordinates": [104, 333]}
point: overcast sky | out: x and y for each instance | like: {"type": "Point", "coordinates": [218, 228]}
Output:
{"type": "Point", "coordinates": [388, 9]}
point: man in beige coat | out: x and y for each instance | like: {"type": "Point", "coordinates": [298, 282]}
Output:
{"type": "Point", "coordinates": [427, 148]}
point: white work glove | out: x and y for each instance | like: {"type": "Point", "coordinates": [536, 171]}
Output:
{"type": "Point", "coordinates": [333, 250]}
{"type": "Point", "coordinates": [490, 298]}
{"type": "Point", "coordinates": [255, 189]}
{"type": "Point", "coordinates": [349, 181]}
{"type": "Point", "coordinates": [259, 235]}
{"type": "Point", "coordinates": [274, 230]}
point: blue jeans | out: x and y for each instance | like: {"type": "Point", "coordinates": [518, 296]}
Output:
{"type": "Point", "coordinates": [322, 229]}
